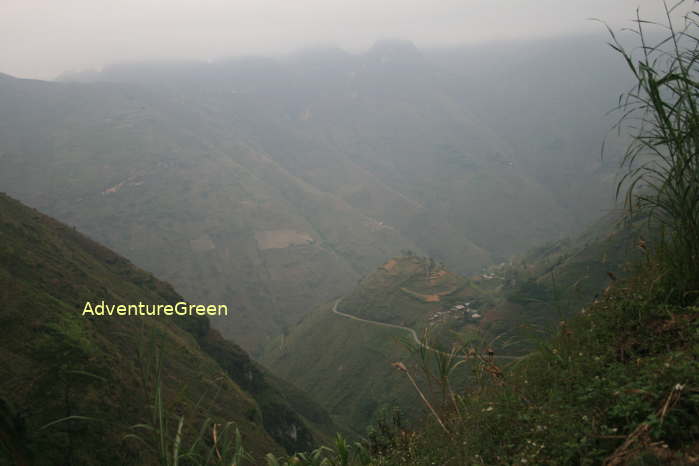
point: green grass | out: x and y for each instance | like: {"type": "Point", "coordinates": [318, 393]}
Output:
{"type": "Point", "coordinates": [662, 163]}
{"type": "Point", "coordinates": [607, 374]}
{"type": "Point", "coordinates": [71, 387]}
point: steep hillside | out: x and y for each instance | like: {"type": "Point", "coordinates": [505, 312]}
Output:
{"type": "Point", "coordinates": [617, 384]}
{"type": "Point", "coordinates": [509, 308]}
{"type": "Point", "coordinates": [548, 104]}
{"type": "Point", "coordinates": [174, 193]}
{"type": "Point", "coordinates": [532, 293]}
{"type": "Point", "coordinates": [435, 133]}
{"type": "Point", "coordinates": [73, 387]}
{"type": "Point", "coordinates": [363, 334]}
{"type": "Point", "coordinates": [273, 185]}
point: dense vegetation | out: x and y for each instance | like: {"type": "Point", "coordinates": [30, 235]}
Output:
{"type": "Point", "coordinates": [617, 384]}
{"type": "Point", "coordinates": [110, 390]}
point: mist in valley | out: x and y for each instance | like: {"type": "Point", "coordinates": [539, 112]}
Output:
{"type": "Point", "coordinates": [309, 162]}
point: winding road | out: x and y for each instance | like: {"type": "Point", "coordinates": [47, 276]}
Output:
{"type": "Point", "coordinates": [407, 329]}
{"type": "Point", "coordinates": [382, 324]}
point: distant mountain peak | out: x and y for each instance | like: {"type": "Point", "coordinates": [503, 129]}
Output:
{"type": "Point", "coordinates": [394, 51]}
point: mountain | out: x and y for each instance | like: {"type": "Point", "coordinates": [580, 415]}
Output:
{"type": "Point", "coordinates": [273, 185]}
{"type": "Point", "coordinates": [74, 386]}
{"type": "Point", "coordinates": [225, 223]}
{"type": "Point", "coordinates": [613, 382]}
{"type": "Point", "coordinates": [364, 333]}
{"type": "Point", "coordinates": [533, 293]}
{"type": "Point", "coordinates": [508, 308]}
{"type": "Point", "coordinates": [551, 101]}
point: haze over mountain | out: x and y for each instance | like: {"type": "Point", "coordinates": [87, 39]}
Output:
{"type": "Point", "coordinates": [40, 39]}
{"type": "Point", "coordinates": [273, 185]}
{"type": "Point", "coordinates": [443, 233]}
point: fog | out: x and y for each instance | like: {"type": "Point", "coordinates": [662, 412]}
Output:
{"type": "Point", "coordinates": [42, 38]}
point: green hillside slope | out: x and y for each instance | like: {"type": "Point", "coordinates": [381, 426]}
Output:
{"type": "Point", "coordinates": [353, 377]}
{"type": "Point", "coordinates": [98, 374]}
{"type": "Point", "coordinates": [532, 293]}
{"type": "Point", "coordinates": [508, 308]}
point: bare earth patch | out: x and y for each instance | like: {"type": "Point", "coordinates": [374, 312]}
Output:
{"type": "Point", "coordinates": [428, 298]}
{"type": "Point", "coordinates": [390, 265]}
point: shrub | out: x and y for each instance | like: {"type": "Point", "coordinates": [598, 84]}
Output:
{"type": "Point", "coordinates": [662, 162]}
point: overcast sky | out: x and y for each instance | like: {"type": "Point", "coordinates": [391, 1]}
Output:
{"type": "Point", "coordinates": [42, 38]}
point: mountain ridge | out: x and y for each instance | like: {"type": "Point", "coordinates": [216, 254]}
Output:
{"type": "Point", "coordinates": [271, 186]}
